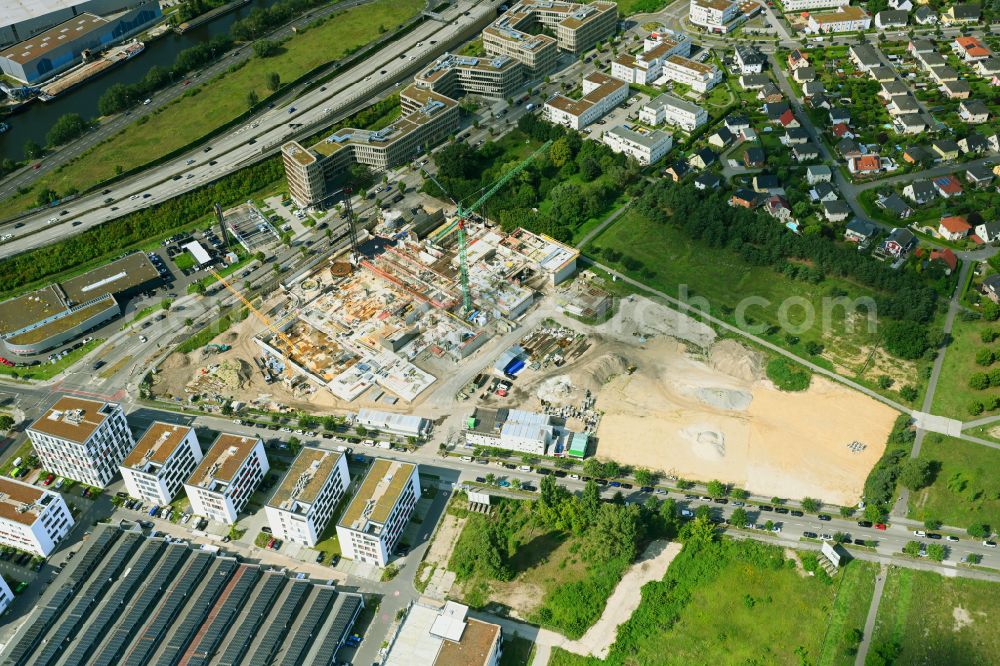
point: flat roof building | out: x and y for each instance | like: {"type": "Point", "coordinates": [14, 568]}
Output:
{"type": "Point", "coordinates": [226, 478]}
{"type": "Point", "coordinates": [848, 18]}
{"type": "Point", "coordinates": [428, 118]}
{"type": "Point", "coordinates": [645, 146]}
{"type": "Point", "coordinates": [512, 429]}
{"type": "Point", "coordinates": [670, 110]}
{"type": "Point", "coordinates": [445, 636]}
{"type": "Point", "coordinates": [719, 16]}
{"type": "Point", "coordinates": [699, 76]}
{"type": "Point", "coordinates": [162, 460]}
{"type": "Point", "coordinates": [303, 504]}
{"type": "Point", "coordinates": [23, 19]}
{"type": "Point", "coordinates": [374, 520]}
{"type": "Point", "coordinates": [601, 93]}
{"type": "Point", "coordinates": [6, 596]}
{"type": "Point", "coordinates": [400, 424]}
{"type": "Point", "coordinates": [48, 317]}
{"type": "Point", "coordinates": [80, 439]}
{"type": "Point", "coordinates": [32, 519]}
{"type": "Point", "coordinates": [453, 76]}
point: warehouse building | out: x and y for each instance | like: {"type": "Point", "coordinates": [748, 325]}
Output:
{"type": "Point", "coordinates": [303, 504]}
{"type": "Point", "coordinates": [44, 55]}
{"type": "Point", "coordinates": [445, 636]}
{"type": "Point", "coordinates": [226, 478]}
{"type": "Point", "coordinates": [46, 318]}
{"type": "Point", "coordinates": [513, 429]}
{"type": "Point", "coordinates": [399, 424]}
{"type": "Point", "coordinates": [23, 19]}
{"type": "Point", "coordinates": [162, 460]}
{"type": "Point", "coordinates": [84, 440]}
{"type": "Point", "coordinates": [601, 94]}
{"type": "Point", "coordinates": [131, 599]}
{"type": "Point", "coordinates": [428, 118]}
{"type": "Point", "coordinates": [453, 76]}
{"type": "Point", "coordinates": [32, 519]}
{"type": "Point", "coordinates": [373, 522]}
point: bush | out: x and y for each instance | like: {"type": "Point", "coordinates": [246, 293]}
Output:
{"type": "Point", "coordinates": [786, 376]}
{"type": "Point", "coordinates": [985, 356]}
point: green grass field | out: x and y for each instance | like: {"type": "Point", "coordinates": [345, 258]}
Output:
{"type": "Point", "coordinates": [966, 489]}
{"type": "Point", "coordinates": [208, 106]}
{"type": "Point", "coordinates": [48, 370]}
{"type": "Point", "coordinates": [674, 263]}
{"type": "Point", "coordinates": [630, 7]}
{"type": "Point", "coordinates": [937, 620]}
{"type": "Point", "coordinates": [953, 395]}
{"type": "Point", "coordinates": [750, 609]}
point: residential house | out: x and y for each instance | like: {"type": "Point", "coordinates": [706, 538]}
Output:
{"type": "Point", "coordinates": [924, 15]}
{"type": "Point", "coordinates": [677, 171]}
{"type": "Point", "coordinates": [945, 149]}
{"type": "Point", "coordinates": [788, 119]}
{"type": "Point", "coordinates": [989, 232]}
{"type": "Point", "coordinates": [890, 19]}
{"type": "Point", "coordinates": [953, 228]}
{"type": "Point", "coordinates": [902, 105]}
{"type": "Point", "coordinates": [970, 49]}
{"type": "Point", "coordinates": [763, 182]}
{"type": "Point", "coordinates": [754, 158]}
{"type": "Point", "coordinates": [865, 165]}
{"type": "Point", "coordinates": [846, 19]}
{"type": "Point", "coordinates": [703, 158]}
{"type": "Point", "coordinates": [797, 59]}
{"type": "Point", "coordinates": [720, 138]}
{"type": "Point", "coordinates": [910, 123]}
{"type": "Point", "coordinates": [773, 110]}
{"type": "Point", "coordinates": [818, 173]}
{"type": "Point", "coordinates": [902, 5]}
{"type": "Point", "coordinates": [744, 198]}
{"type": "Point", "coordinates": [899, 243]}
{"type": "Point", "coordinates": [892, 88]}
{"type": "Point", "coordinates": [841, 130]}
{"type": "Point", "coordinates": [966, 12]}
{"type": "Point", "coordinates": [980, 175]}
{"type": "Point", "coordinates": [736, 124]}
{"type": "Point", "coordinates": [839, 114]}
{"type": "Point", "coordinates": [920, 192]}
{"type": "Point", "coordinates": [848, 148]}
{"type": "Point", "coordinates": [974, 143]}
{"type": "Point", "coordinates": [988, 67]}
{"type": "Point", "coordinates": [803, 74]}
{"type": "Point", "coordinates": [836, 211]}
{"type": "Point", "coordinates": [860, 231]}
{"type": "Point", "coordinates": [948, 186]}
{"type": "Point", "coordinates": [943, 73]}
{"type": "Point", "coordinates": [994, 141]}
{"type": "Point", "coordinates": [921, 46]}
{"type": "Point", "coordinates": [917, 155]}
{"type": "Point", "coordinates": [931, 60]}
{"type": "Point", "coordinates": [973, 111]}
{"type": "Point", "coordinates": [707, 181]}
{"type": "Point", "coordinates": [813, 88]}
{"type": "Point", "coordinates": [956, 89]}
{"type": "Point", "coordinates": [805, 152]}
{"type": "Point", "coordinates": [748, 134]}
{"type": "Point", "coordinates": [819, 101]}
{"type": "Point", "coordinates": [823, 191]}
{"type": "Point", "coordinates": [882, 74]}
{"type": "Point", "coordinates": [947, 257]}
{"type": "Point", "coordinates": [794, 136]}
{"type": "Point", "coordinates": [778, 207]}
{"type": "Point", "coordinates": [749, 59]}
{"type": "Point", "coordinates": [991, 288]}
{"type": "Point", "coordinates": [754, 81]}
{"type": "Point", "coordinates": [769, 92]}
{"type": "Point", "coordinates": [864, 56]}
{"type": "Point", "coordinates": [893, 204]}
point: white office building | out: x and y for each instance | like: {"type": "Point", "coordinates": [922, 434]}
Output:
{"type": "Point", "coordinates": [670, 110]}
{"type": "Point", "coordinates": [645, 146]}
{"type": "Point", "coordinates": [408, 425]}
{"type": "Point", "coordinates": [601, 93]}
{"type": "Point", "coordinates": [373, 522]}
{"type": "Point", "coordinates": [719, 16]}
{"type": "Point", "coordinates": [162, 460]}
{"type": "Point", "coordinates": [32, 519]}
{"type": "Point", "coordinates": [303, 504]}
{"type": "Point", "coordinates": [226, 478]}
{"type": "Point", "coordinates": [84, 440]}
{"type": "Point", "coordinates": [700, 76]}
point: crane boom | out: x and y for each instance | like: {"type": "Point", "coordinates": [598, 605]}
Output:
{"type": "Point", "coordinates": [257, 313]}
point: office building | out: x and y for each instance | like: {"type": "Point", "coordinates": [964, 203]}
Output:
{"type": "Point", "coordinates": [226, 478]}
{"type": "Point", "coordinates": [80, 439]}
{"type": "Point", "coordinates": [846, 19]}
{"type": "Point", "coordinates": [57, 49]}
{"type": "Point", "coordinates": [301, 507]}
{"type": "Point", "coordinates": [373, 522]}
{"type": "Point", "coordinates": [163, 459]}
{"type": "Point", "coordinates": [428, 118]}
{"type": "Point", "coordinates": [699, 76]}
{"type": "Point", "coordinates": [32, 519]}
{"type": "Point", "coordinates": [601, 93]}
{"type": "Point", "coordinates": [670, 110]}
{"type": "Point", "coordinates": [645, 146]}
{"type": "Point", "coordinates": [444, 636]}
{"type": "Point", "coordinates": [453, 76]}
{"type": "Point", "coordinates": [719, 16]}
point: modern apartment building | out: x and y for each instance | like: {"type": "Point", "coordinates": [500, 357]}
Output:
{"type": "Point", "coordinates": [646, 146]}
{"type": "Point", "coordinates": [453, 76]}
{"type": "Point", "coordinates": [577, 28]}
{"type": "Point", "coordinates": [428, 118]}
{"type": "Point", "coordinates": [700, 76]}
{"type": "Point", "coordinates": [800, 5]}
{"type": "Point", "coordinates": [846, 19]}
{"type": "Point", "coordinates": [719, 16]}
{"type": "Point", "coordinates": [601, 93]}
{"type": "Point", "coordinates": [304, 502]}
{"type": "Point", "coordinates": [6, 596]}
{"type": "Point", "coordinates": [647, 66]}
{"type": "Point", "coordinates": [670, 110]}
{"type": "Point", "coordinates": [374, 520]}
{"type": "Point", "coordinates": [84, 440]}
{"type": "Point", "coordinates": [32, 519]}
{"type": "Point", "coordinates": [227, 477]}
{"type": "Point", "coordinates": [163, 459]}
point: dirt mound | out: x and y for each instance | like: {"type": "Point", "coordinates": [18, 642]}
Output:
{"type": "Point", "coordinates": [229, 337]}
{"type": "Point", "coordinates": [735, 360]}
{"type": "Point", "coordinates": [600, 371]}
{"type": "Point", "coordinates": [175, 361]}
{"type": "Point", "coordinates": [707, 442]}
{"type": "Point", "coordinates": [723, 398]}
{"type": "Point", "coordinates": [556, 389]}
{"type": "Point", "coordinates": [234, 373]}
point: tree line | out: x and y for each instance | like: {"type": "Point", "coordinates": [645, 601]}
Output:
{"type": "Point", "coordinates": [260, 21]}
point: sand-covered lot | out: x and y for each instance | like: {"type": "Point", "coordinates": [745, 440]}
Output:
{"type": "Point", "coordinates": [718, 418]}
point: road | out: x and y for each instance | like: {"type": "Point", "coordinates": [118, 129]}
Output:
{"type": "Point", "coordinates": [260, 136]}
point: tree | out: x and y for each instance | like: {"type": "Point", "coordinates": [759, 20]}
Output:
{"type": "Point", "coordinates": [990, 311]}
{"type": "Point", "coordinates": [716, 488]}
{"type": "Point", "coordinates": [973, 558]}
{"type": "Point", "coordinates": [491, 479]}
{"type": "Point", "coordinates": [979, 381]}
{"type": "Point", "coordinates": [592, 467]}
{"type": "Point", "coordinates": [917, 473]}
{"type": "Point", "coordinates": [985, 356]}
{"type": "Point", "coordinates": [739, 518]}
{"type": "Point", "coordinates": [515, 483]}
{"type": "Point", "coordinates": [936, 552]}
{"type": "Point", "coordinates": [548, 492]}
{"type": "Point", "coordinates": [361, 430]}
{"type": "Point", "coordinates": [252, 98]}
{"type": "Point", "coordinates": [739, 494]}
{"type": "Point", "coordinates": [932, 523]}
{"type": "Point", "coordinates": [873, 512]}
{"type": "Point", "coordinates": [590, 502]}
{"type": "Point", "coordinates": [199, 288]}
{"type": "Point", "coordinates": [6, 422]}
{"type": "Point", "coordinates": [698, 532]}
{"type": "Point", "coordinates": [265, 48]}
{"type": "Point", "coordinates": [810, 504]}
{"type": "Point", "coordinates": [905, 340]}
{"type": "Point", "coordinates": [165, 304]}
{"type": "Point", "coordinates": [685, 485]}
{"type": "Point", "coordinates": [908, 393]}
{"type": "Point", "coordinates": [841, 537]}
{"type": "Point", "coordinates": [668, 517]}
{"type": "Point", "coordinates": [769, 525]}
{"type": "Point", "coordinates": [529, 459]}
{"type": "Point", "coordinates": [32, 150]}
{"type": "Point", "coordinates": [67, 128]}
{"type": "Point", "coordinates": [644, 477]}
{"type": "Point", "coordinates": [273, 81]}
{"type": "Point", "coordinates": [976, 530]}
{"type": "Point", "coordinates": [777, 501]}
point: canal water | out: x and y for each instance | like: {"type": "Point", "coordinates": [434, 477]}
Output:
{"type": "Point", "coordinates": [32, 123]}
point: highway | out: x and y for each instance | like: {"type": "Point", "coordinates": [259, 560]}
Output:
{"type": "Point", "coordinates": [269, 129]}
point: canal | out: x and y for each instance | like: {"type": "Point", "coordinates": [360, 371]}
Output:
{"type": "Point", "coordinates": [37, 118]}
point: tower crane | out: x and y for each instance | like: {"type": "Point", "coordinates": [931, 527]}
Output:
{"type": "Point", "coordinates": [463, 214]}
